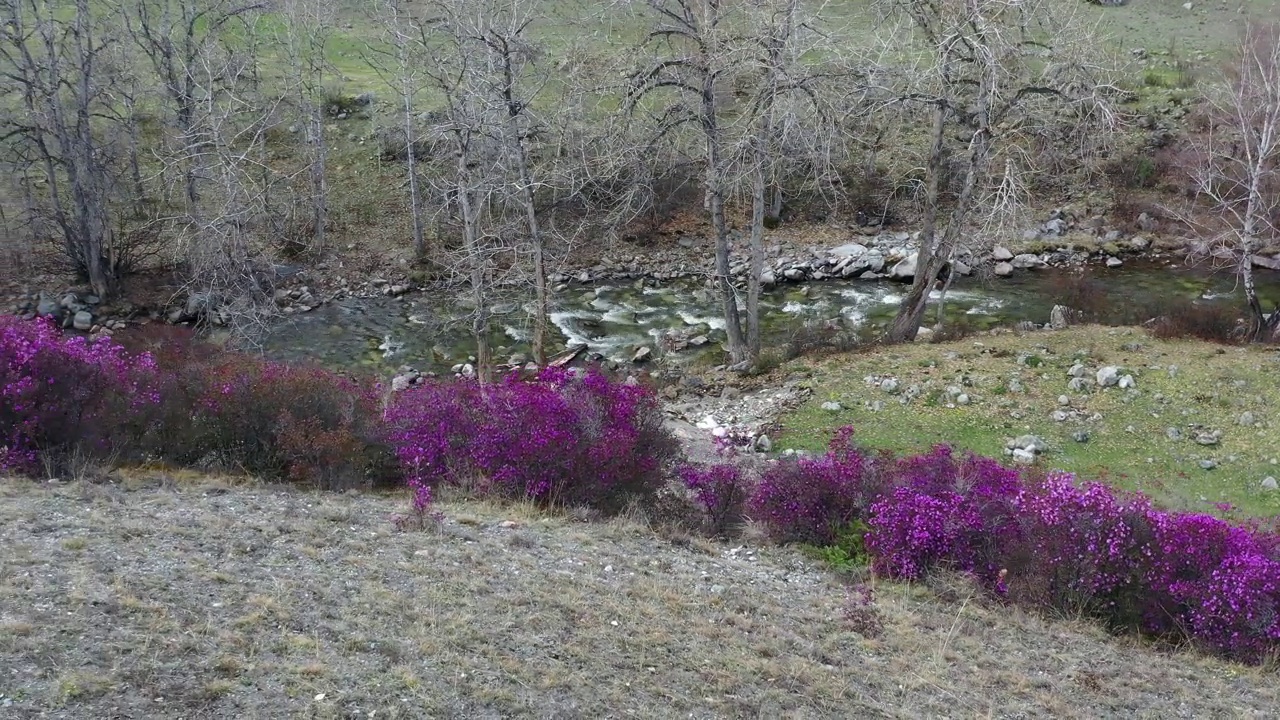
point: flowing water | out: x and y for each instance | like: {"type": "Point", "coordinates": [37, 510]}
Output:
{"type": "Point", "coordinates": [431, 331]}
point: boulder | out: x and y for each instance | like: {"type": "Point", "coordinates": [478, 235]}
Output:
{"type": "Point", "coordinates": [1269, 483]}
{"type": "Point", "coordinates": [1108, 376]}
{"type": "Point", "coordinates": [1001, 254]}
{"type": "Point", "coordinates": [1027, 261]}
{"type": "Point", "coordinates": [82, 320]}
{"type": "Point", "coordinates": [48, 307]}
{"type": "Point", "coordinates": [906, 268]}
{"type": "Point", "coordinates": [1060, 317]}
{"type": "Point", "coordinates": [1262, 261]}
{"type": "Point", "coordinates": [1114, 261]}
{"type": "Point", "coordinates": [848, 250]}
{"type": "Point", "coordinates": [1003, 269]}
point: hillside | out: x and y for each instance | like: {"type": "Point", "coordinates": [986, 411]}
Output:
{"type": "Point", "coordinates": [196, 597]}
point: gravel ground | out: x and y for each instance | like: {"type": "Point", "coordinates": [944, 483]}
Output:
{"type": "Point", "coordinates": [155, 596]}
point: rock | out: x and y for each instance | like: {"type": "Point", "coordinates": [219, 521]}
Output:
{"type": "Point", "coordinates": [1139, 243]}
{"type": "Point", "coordinates": [1027, 261]}
{"type": "Point", "coordinates": [1002, 269]}
{"type": "Point", "coordinates": [1080, 436]}
{"type": "Point", "coordinates": [1060, 415]}
{"type": "Point", "coordinates": [1247, 419]}
{"type": "Point", "coordinates": [1147, 224]}
{"type": "Point", "coordinates": [1114, 261]}
{"type": "Point", "coordinates": [906, 268]}
{"type": "Point", "coordinates": [889, 385]}
{"type": "Point", "coordinates": [642, 354]}
{"type": "Point", "coordinates": [1173, 433]}
{"type": "Point", "coordinates": [1064, 400]}
{"type": "Point", "coordinates": [1126, 382]}
{"type": "Point", "coordinates": [1263, 261]}
{"type": "Point", "coordinates": [1061, 317]}
{"type": "Point", "coordinates": [1077, 371]}
{"type": "Point", "coordinates": [1056, 226]}
{"type": "Point", "coordinates": [1108, 376]}
{"type": "Point", "coordinates": [82, 320]}
{"type": "Point", "coordinates": [1209, 438]}
{"type": "Point", "coordinates": [48, 307]}
{"type": "Point", "coordinates": [961, 268]}
{"type": "Point", "coordinates": [794, 274]}
{"type": "Point", "coordinates": [400, 383]}
{"type": "Point", "coordinates": [767, 278]}
{"type": "Point", "coordinates": [849, 250]}
{"type": "Point", "coordinates": [1208, 464]}
{"type": "Point", "coordinates": [200, 303]}
{"type": "Point", "coordinates": [1001, 254]}
{"type": "Point", "coordinates": [962, 399]}
{"type": "Point", "coordinates": [1269, 483]}
{"type": "Point", "coordinates": [830, 406]}
{"type": "Point", "coordinates": [763, 444]}
{"type": "Point", "coordinates": [1030, 443]}
{"type": "Point", "coordinates": [1025, 457]}
{"type": "Point", "coordinates": [923, 334]}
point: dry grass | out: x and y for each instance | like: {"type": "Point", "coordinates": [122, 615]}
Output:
{"type": "Point", "coordinates": [197, 599]}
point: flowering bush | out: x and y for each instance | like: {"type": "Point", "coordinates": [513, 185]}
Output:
{"type": "Point", "coordinates": [958, 513]}
{"type": "Point", "coordinates": [722, 490]}
{"type": "Point", "coordinates": [61, 396]}
{"type": "Point", "coordinates": [560, 439]}
{"type": "Point", "coordinates": [1042, 541]}
{"type": "Point", "coordinates": [65, 395]}
{"type": "Point", "coordinates": [812, 500]}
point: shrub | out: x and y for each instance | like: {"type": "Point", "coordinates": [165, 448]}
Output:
{"type": "Point", "coordinates": [561, 439]}
{"type": "Point", "coordinates": [943, 512]}
{"type": "Point", "coordinates": [296, 423]}
{"type": "Point", "coordinates": [812, 500]}
{"type": "Point", "coordinates": [722, 491]}
{"type": "Point", "coordinates": [67, 396]}
{"type": "Point", "coordinates": [1219, 323]}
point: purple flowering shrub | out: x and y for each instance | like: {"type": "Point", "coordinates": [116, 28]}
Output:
{"type": "Point", "coordinates": [63, 396]}
{"type": "Point", "coordinates": [812, 500]}
{"type": "Point", "coordinates": [185, 404]}
{"type": "Point", "coordinates": [1039, 540]}
{"type": "Point", "coordinates": [721, 490]}
{"type": "Point", "coordinates": [559, 439]}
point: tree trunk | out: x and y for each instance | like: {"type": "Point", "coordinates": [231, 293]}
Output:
{"type": "Point", "coordinates": [758, 202]}
{"type": "Point", "coordinates": [911, 312]}
{"type": "Point", "coordinates": [319, 183]}
{"type": "Point", "coordinates": [471, 246]}
{"type": "Point", "coordinates": [715, 197]}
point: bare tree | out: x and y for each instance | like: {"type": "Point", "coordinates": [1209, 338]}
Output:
{"type": "Point", "coordinates": [683, 82]}
{"type": "Point", "coordinates": [175, 36]}
{"type": "Point", "coordinates": [400, 30]}
{"type": "Point", "coordinates": [993, 73]}
{"type": "Point", "coordinates": [788, 129]}
{"type": "Point", "coordinates": [1238, 168]}
{"type": "Point", "coordinates": [56, 62]}
{"type": "Point", "coordinates": [308, 26]}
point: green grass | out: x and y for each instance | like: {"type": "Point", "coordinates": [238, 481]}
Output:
{"type": "Point", "coordinates": [1213, 386]}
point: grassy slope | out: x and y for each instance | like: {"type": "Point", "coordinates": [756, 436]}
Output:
{"type": "Point", "coordinates": [1213, 387]}
{"type": "Point", "coordinates": [194, 599]}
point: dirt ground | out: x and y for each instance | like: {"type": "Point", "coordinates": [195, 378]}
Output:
{"type": "Point", "coordinates": [156, 596]}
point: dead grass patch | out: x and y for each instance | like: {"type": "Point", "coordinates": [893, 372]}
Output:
{"type": "Point", "coordinates": [549, 618]}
